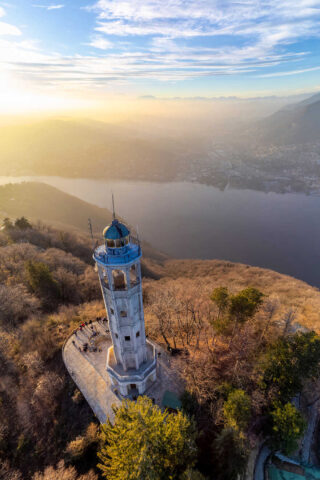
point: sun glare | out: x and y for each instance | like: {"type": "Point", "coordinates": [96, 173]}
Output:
{"type": "Point", "coordinates": [24, 101]}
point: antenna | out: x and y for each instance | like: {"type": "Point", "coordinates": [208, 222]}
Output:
{"type": "Point", "coordinates": [91, 234]}
{"type": "Point", "coordinates": [113, 210]}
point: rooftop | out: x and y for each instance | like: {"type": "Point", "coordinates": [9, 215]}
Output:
{"type": "Point", "coordinates": [115, 231]}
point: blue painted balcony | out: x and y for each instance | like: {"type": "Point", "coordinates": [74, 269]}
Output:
{"type": "Point", "coordinates": [118, 256]}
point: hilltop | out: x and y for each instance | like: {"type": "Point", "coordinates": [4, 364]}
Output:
{"type": "Point", "coordinates": [48, 286]}
{"type": "Point", "coordinates": [295, 296]}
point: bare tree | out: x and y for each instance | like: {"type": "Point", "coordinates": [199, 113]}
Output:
{"type": "Point", "coordinates": [61, 472]}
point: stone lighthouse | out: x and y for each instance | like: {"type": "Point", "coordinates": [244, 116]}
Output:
{"type": "Point", "coordinates": [131, 360]}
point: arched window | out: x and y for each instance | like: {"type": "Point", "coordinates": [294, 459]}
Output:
{"type": "Point", "coordinates": [119, 280]}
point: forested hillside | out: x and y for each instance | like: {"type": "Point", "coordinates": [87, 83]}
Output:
{"type": "Point", "coordinates": [232, 327]}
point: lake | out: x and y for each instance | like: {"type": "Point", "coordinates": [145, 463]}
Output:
{"type": "Point", "coordinates": [190, 220]}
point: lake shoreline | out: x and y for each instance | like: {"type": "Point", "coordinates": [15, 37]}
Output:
{"type": "Point", "coordinates": [191, 220]}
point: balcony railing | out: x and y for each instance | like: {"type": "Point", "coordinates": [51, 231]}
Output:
{"type": "Point", "coordinates": [117, 256]}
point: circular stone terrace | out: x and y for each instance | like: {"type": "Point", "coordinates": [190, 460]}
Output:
{"type": "Point", "coordinates": [88, 370]}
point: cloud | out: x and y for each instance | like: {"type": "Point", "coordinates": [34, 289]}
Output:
{"type": "Point", "coordinates": [241, 34]}
{"type": "Point", "coordinates": [289, 72]}
{"type": "Point", "coordinates": [8, 29]}
{"type": "Point", "coordinates": [49, 7]}
{"type": "Point", "coordinates": [183, 40]}
{"type": "Point", "coordinates": [100, 43]}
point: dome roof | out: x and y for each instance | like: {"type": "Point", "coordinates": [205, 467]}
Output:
{"type": "Point", "coordinates": [115, 231]}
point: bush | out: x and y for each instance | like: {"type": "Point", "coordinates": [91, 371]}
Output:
{"type": "Point", "coordinates": [61, 472]}
{"type": "Point", "coordinates": [78, 447]}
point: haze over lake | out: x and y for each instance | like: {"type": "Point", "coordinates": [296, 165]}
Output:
{"type": "Point", "coordinates": [189, 220]}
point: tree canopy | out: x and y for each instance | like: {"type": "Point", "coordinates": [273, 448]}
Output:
{"type": "Point", "coordinates": [289, 362]}
{"type": "Point", "coordinates": [41, 281]}
{"type": "Point", "coordinates": [145, 443]}
{"type": "Point", "coordinates": [245, 304]}
{"type": "Point", "coordinates": [287, 427]}
{"type": "Point", "coordinates": [234, 309]}
{"type": "Point", "coordinates": [236, 410]}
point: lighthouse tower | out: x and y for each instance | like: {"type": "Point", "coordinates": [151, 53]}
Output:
{"type": "Point", "coordinates": [131, 360]}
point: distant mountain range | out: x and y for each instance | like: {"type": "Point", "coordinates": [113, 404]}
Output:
{"type": "Point", "coordinates": [280, 152]}
{"type": "Point", "coordinates": [295, 124]}
{"type": "Point", "coordinates": [91, 149]}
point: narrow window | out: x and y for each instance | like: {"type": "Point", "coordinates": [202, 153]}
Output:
{"type": "Point", "coordinates": [138, 334]}
{"type": "Point", "coordinates": [112, 311]}
{"type": "Point", "coordinates": [133, 275]}
{"type": "Point", "coordinates": [124, 241]}
{"type": "Point", "coordinates": [116, 335]}
{"type": "Point", "coordinates": [123, 313]}
{"type": "Point", "coordinates": [127, 338]}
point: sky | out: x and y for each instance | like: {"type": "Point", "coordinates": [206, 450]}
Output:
{"type": "Point", "coordinates": [73, 53]}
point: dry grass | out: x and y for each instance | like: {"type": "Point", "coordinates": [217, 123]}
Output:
{"type": "Point", "coordinates": [292, 294]}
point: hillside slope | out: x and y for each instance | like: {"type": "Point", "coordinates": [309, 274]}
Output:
{"type": "Point", "coordinates": [295, 124]}
{"type": "Point", "coordinates": [48, 287]}
{"type": "Point", "coordinates": [86, 148]}
{"type": "Point", "coordinates": [38, 201]}
{"type": "Point", "coordinates": [292, 294]}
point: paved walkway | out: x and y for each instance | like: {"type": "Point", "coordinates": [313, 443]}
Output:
{"type": "Point", "coordinates": [308, 438]}
{"type": "Point", "coordinates": [88, 370]}
{"type": "Point", "coordinates": [260, 462]}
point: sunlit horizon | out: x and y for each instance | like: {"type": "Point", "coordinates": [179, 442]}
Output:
{"type": "Point", "coordinates": [83, 55]}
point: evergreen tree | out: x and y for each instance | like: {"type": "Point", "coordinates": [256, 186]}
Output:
{"type": "Point", "coordinates": [288, 363]}
{"type": "Point", "coordinates": [287, 427]}
{"type": "Point", "coordinates": [220, 297]}
{"type": "Point", "coordinates": [234, 309]}
{"type": "Point", "coordinates": [236, 410]}
{"type": "Point", "coordinates": [22, 223]}
{"type": "Point", "coordinates": [144, 443]}
{"type": "Point", "coordinates": [245, 304]}
{"type": "Point", "coordinates": [42, 283]}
